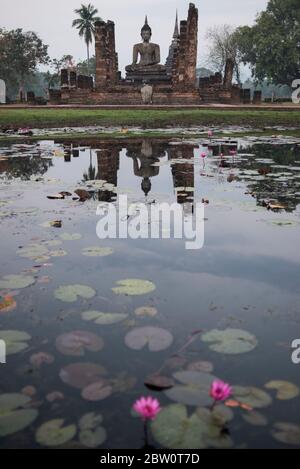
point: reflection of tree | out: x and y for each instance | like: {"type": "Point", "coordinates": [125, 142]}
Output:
{"type": "Point", "coordinates": [91, 174]}
{"type": "Point", "coordinates": [270, 186]}
{"type": "Point", "coordinates": [25, 167]}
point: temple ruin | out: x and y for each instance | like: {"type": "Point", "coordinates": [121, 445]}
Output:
{"type": "Point", "coordinates": [147, 81]}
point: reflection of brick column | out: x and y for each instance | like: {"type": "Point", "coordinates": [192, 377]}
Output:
{"type": "Point", "coordinates": [183, 174]}
{"type": "Point", "coordinates": [108, 166]}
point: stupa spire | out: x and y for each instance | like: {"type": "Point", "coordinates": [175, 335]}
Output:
{"type": "Point", "coordinates": [176, 29]}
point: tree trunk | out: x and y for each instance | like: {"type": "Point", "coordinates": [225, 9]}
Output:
{"type": "Point", "coordinates": [88, 58]}
{"type": "Point", "coordinates": [21, 91]}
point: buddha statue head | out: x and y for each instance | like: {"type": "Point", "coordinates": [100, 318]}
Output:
{"type": "Point", "coordinates": [146, 31]}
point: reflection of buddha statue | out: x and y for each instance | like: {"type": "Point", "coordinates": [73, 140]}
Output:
{"type": "Point", "coordinates": [146, 57]}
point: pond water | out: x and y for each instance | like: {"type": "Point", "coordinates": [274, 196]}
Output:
{"type": "Point", "coordinates": [244, 282]}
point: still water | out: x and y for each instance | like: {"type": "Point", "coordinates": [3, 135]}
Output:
{"type": "Point", "coordinates": [244, 282]}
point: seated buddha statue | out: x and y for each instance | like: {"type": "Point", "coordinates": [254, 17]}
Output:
{"type": "Point", "coordinates": [146, 56]}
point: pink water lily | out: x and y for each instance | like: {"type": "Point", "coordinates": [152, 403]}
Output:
{"type": "Point", "coordinates": [220, 391]}
{"type": "Point", "coordinates": [147, 407]}
{"type": "Point", "coordinates": [203, 155]}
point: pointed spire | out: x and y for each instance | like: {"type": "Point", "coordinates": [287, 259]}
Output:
{"type": "Point", "coordinates": [146, 20]}
{"type": "Point", "coordinates": [176, 29]}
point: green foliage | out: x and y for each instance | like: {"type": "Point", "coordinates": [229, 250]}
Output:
{"type": "Point", "coordinates": [20, 54]}
{"type": "Point", "coordinates": [272, 45]}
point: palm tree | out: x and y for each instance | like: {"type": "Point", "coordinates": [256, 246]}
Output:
{"type": "Point", "coordinates": [86, 25]}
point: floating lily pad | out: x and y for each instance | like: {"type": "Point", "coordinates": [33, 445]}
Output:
{"type": "Point", "coordinates": [15, 341]}
{"type": "Point", "coordinates": [53, 433]}
{"type": "Point", "coordinates": [33, 251]}
{"type": "Point", "coordinates": [193, 390]}
{"type": "Point", "coordinates": [38, 359]}
{"type": "Point", "coordinates": [81, 375]}
{"type": "Point", "coordinates": [97, 251]}
{"type": "Point", "coordinates": [70, 237]}
{"type": "Point", "coordinates": [58, 253]}
{"type": "Point", "coordinates": [254, 397]}
{"type": "Point", "coordinates": [147, 311]}
{"type": "Point", "coordinates": [90, 421]}
{"type": "Point", "coordinates": [159, 382]}
{"type": "Point", "coordinates": [230, 341]}
{"type": "Point", "coordinates": [93, 438]}
{"type": "Point", "coordinates": [70, 293]}
{"type": "Point", "coordinates": [11, 282]}
{"type": "Point", "coordinates": [103, 319]}
{"type": "Point", "coordinates": [287, 433]}
{"type": "Point", "coordinates": [285, 389]}
{"type": "Point", "coordinates": [75, 343]}
{"type": "Point", "coordinates": [155, 338]}
{"type": "Point", "coordinates": [12, 417]}
{"type": "Point", "coordinates": [134, 287]}
{"type": "Point", "coordinates": [205, 367]}
{"type": "Point", "coordinates": [255, 418]}
{"type": "Point", "coordinates": [97, 391]}
{"type": "Point", "coordinates": [174, 429]}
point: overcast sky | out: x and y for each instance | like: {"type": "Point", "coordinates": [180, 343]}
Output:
{"type": "Point", "coordinates": [52, 21]}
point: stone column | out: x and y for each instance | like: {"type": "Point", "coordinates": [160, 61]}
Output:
{"type": "Point", "coordinates": [228, 75]}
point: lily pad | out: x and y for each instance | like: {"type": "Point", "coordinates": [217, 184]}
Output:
{"type": "Point", "coordinates": [33, 251]}
{"type": "Point", "coordinates": [70, 293]}
{"type": "Point", "coordinates": [205, 367]}
{"type": "Point", "coordinates": [103, 319]}
{"type": "Point", "coordinates": [75, 343]}
{"type": "Point", "coordinates": [134, 287]}
{"type": "Point", "coordinates": [70, 237]}
{"type": "Point", "coordinates": [95, 251]}
{"type": "Point", "coordinates": [81, 375]}
{"type": "Point", "coordinates": [193, 390]}
{"type": "Point", "coordinates": [285, 389]}
{"type": "Point", "coordinates": [93, 438]}
{"type": "Point", "coordinates": [230, 341]}
{"type": "Point", "coordinates": [12, 417]}
{"type": "Point", "coordinates": [146, 311]}
{"type": "Point", "coordinates": [156, 339]}
{"type": "Point", "coordinates": [15, 341]}
{"type": "Point", "coordinates": [97, 391]}
{"type": "Point", "coordinates": [254, 397]}
{"type": "Point", "coordinates": [11, 282]}
{"type": "Point", "coordinates": [53, 433]}
{"type": "Point", "coordinates": [174, 428]}
{"type": "Point", "coordinates": [256, 419]}
{"type": "Point", "coordinates": [287, 433]}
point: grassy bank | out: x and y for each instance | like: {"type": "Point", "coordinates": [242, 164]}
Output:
{"type": "Point", "coordinates": [148, 119]}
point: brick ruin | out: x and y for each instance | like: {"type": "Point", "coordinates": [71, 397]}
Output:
{"type": "Point", "coordinates": [179, 86]}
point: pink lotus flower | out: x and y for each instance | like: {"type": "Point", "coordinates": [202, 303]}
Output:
{"type": "Point", "coordinates": [203, 155]}
{"type": "Point", "coordinates": [210, 133]}
{"type": "Point", "coordinates": [147, 407]}
{"type": "Point", "coordinates": [220, 391]}
{"type": "Point", "coordinates": [233, 152]}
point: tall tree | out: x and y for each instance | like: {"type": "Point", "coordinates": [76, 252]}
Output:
{"type": "Point", "coordinates": [272, 45]}
{"type": "Point", "coordinates": [86, 25]}
{"type": "Point", "coordinates": [222, 47]}
{"type": "Point", "coordinates": [20, 54]}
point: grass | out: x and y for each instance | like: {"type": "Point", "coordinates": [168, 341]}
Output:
{"type": "Point", "coordinates": [147, 119]}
